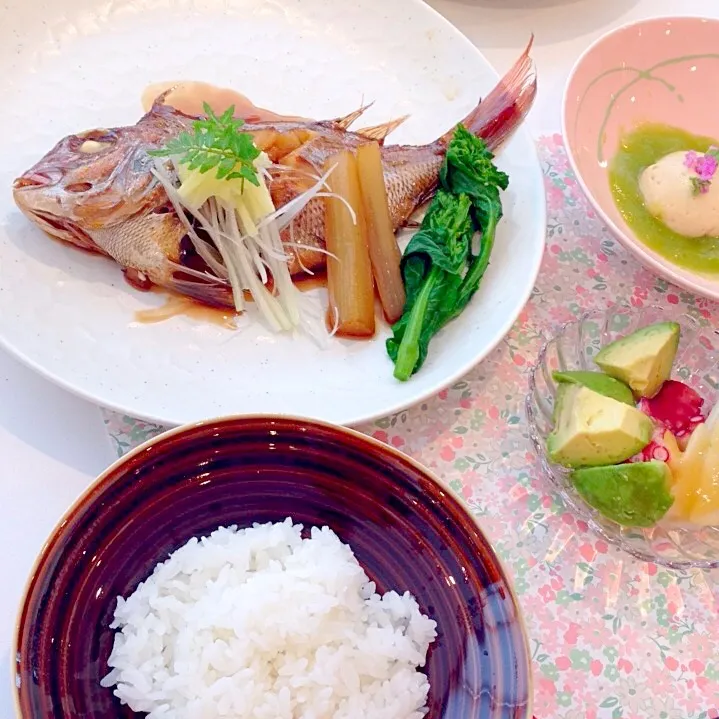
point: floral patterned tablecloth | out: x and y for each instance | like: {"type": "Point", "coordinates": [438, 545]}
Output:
{"type": "Point", "coordinates": [611, 637]}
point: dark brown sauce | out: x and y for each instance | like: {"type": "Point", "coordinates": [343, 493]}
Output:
{"type": "Point", "coordinates": [306, 283]}
{"type": "Point", "coordinates": [179, 306]}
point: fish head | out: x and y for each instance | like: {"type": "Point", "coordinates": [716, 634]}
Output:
{"type": "Point", "coordinates": [86, 182]}
{"type": "Point", "coordinates": [96, 190]}
{"type": "Point", "coordinates": [97, 179]}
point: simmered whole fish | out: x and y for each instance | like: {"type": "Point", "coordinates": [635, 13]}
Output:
{"type": "Point", "coordinates": [96, 190]}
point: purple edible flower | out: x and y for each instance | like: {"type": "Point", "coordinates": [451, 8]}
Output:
{"type": "Point", "coordinates": [706, 166]}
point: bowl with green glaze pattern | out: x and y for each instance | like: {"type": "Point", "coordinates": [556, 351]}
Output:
{"type": "Point", "coordinates": [638, 93]}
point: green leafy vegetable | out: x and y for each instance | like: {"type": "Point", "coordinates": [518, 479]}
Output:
{"type": "Point", "coordinates": [440, 268]}
{"type": "Point", "coordinates": [216, 143]}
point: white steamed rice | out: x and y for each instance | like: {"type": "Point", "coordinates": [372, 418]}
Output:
{"type": "Point", "coordinates": [261, 623]}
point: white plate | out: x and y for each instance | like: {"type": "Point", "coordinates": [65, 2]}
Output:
{"type": "Point", "coordinates": [72, 65]}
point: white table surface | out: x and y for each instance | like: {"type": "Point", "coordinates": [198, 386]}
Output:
{"type": "Point", "coordinates": [52, 444]}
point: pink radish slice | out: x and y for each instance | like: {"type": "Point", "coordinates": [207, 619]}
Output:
{"type": "Point", "coordinates": [656, 449]}
{"type": "Point", "coordinates": [677, 407]}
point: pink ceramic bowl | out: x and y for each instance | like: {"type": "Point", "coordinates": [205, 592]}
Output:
{"type": "Point", "coordinates": [659, 70]}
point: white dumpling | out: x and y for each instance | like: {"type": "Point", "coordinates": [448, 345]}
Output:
{"type": "Point", "coordinates": [668, 194]}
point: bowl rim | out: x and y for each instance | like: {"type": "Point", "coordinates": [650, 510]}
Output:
{"type": "Point", "coordinates": [580, 510]}
{"type": "Point", "coordinates": [347, 432]}
{"type": "Point", "coordinates": [658, 265]}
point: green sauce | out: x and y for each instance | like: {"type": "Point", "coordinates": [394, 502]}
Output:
{"type": "Point", "coordinates": [638, 150]}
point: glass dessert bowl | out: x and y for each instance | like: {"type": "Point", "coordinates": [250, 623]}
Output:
{"type": "Point", "coordinates": [672, 540]}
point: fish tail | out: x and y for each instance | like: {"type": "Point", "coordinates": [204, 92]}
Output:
{"type": "Point", "coordinates": [502, 111]}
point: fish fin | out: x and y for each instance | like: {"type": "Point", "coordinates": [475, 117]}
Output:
{"type": "Point", "coordinates": [414, 221]}
{"type": "Point", "coordinates": [506, 106]}
{"type": "Point", "coordinates": [160, 108]}
{"type": "Point", "coordinates": [381, 132]}
{"type": "Point", "coordinates": [159, 101]}
{"type": "Point", "coordinates": [214, 294]}
{"type": "Point", "coordinates": [347, 120]}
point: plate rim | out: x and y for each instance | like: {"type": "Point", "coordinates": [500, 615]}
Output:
{"type": "Point", "coordinates": [102, 398]}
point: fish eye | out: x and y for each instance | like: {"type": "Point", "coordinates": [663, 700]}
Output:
{"type": "Point", "coordinates": [93, 141]}
{"type": "Point", "coordinates": [90, 147]}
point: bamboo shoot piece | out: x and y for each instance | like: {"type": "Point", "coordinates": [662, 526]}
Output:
{"type": "Point", "coordinates": [349, 271]}
{"type": "Point", "coordinates": [383, 248]}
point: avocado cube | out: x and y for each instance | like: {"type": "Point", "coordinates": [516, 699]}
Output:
{"type": "Point", "coordinates": [642, 359]}
{"type": "Point", "coordinates": [598, 382]}
{"type": "Point", "coordinates": [593, 430]}
{"type": "Point", "coordinates": [634, 495]}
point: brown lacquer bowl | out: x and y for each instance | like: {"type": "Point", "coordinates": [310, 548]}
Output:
{"type": "Point", "coordinates": [406, 529]}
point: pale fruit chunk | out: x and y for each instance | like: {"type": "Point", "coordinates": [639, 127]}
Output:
{"type": "Point", "coordinates": [706, 505]}
{"type": "Point", "coordinates": [695, 475]}
{"type": "Point", "coordinates": [687, 468]}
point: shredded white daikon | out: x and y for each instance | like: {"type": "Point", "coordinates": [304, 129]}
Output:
{"type": "Point", "coordinates": [244, 228]}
